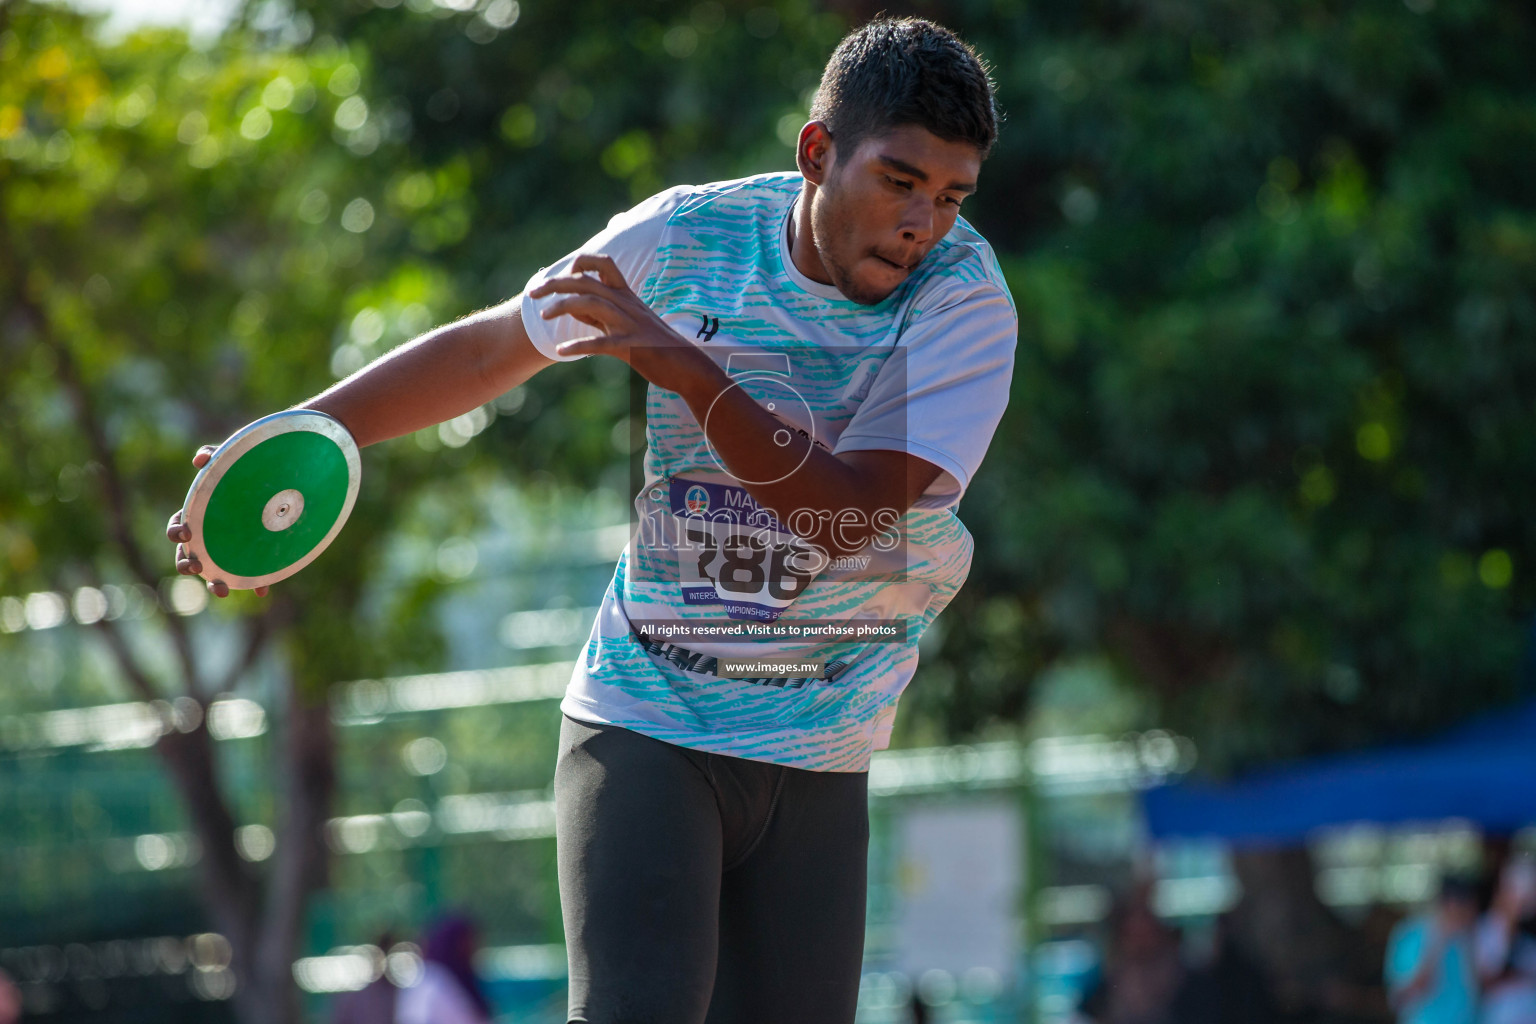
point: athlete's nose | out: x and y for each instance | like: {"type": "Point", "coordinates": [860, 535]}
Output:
{"type": "Point", "coordinates": [917, 222]}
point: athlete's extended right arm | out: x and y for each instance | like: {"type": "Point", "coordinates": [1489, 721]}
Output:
{"type": "Point", "coordinates": [442, 374]}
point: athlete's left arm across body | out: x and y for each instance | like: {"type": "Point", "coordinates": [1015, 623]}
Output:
{"type": "Point", "coordinates": [849, 497]}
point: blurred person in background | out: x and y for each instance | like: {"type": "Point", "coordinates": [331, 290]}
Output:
{"type": "Point", "coordinates": [448, 992]}
{"type": "Point", "coordinates": [1143, 972]}
{"type": "Point", "coordinates": [1228, 988]}
{"type": "Point", "coordinates": [1429, 970]}
{"type": "Point", "coordinates": [373, 1004]}
{"type": "Point", "coordinates": [1505, 948]}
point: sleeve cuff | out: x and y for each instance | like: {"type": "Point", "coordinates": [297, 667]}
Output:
{"type": "Point", "coordinates": [540, 331]}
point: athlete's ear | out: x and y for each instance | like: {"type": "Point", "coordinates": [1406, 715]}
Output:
{"type": "Point", "coordinates": [815, 152]}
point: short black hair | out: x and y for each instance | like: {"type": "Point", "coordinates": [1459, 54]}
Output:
{"type": "Point", "coordinates": [899, 71]}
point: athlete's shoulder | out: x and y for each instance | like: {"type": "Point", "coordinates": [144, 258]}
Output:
{"type": "Point", "coordinates": [727, 199]}
{"type": "Point", "coordinates": [762, 195]}
{"type": "Point", "coordinates": [963, 265]}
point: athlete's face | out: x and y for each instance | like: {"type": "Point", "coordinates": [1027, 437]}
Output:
{"type": "Point", "coordinates": [878, 210]}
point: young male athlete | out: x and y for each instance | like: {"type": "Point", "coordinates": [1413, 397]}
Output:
{"type": "Point", "coordinates": [828, 353]}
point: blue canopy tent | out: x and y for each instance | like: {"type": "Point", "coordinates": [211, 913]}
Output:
{"type": "Point", "coordinates": [1483, 772]}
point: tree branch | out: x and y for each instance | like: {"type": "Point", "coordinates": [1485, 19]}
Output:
{"type": "Point", "coordinates": [189, 759]}
{"type": "Point", "coordinates": [230, 889]}
{"type": "Point", "coordinates": [115, 493]}
{"type": "Point", "coordinates": [126, 661]}
{"type": "Point", "coordinates": [228, 885]}
{"type": "Point", "coordinates": [258, 633]}
{"type": "Point", "coordinates": [299, 864]}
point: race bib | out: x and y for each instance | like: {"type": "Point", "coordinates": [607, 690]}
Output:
{"type": "Point", "coordinates": [733, 552]}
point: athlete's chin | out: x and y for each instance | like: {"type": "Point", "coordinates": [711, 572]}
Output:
{"type": "Point", "coordinates": [867, 291]}
{"type": "Point", "coordinates": [868, 298]}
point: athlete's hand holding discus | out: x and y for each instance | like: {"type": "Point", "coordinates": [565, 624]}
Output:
{"type": "Point", "coordinates": [187, 562]}
{"type": "Point", "coordinates": [750, 441]}
{"type": "Point", "coordinates": [441, 374]}
{"type": "Point", "coordinates": [268, 501]}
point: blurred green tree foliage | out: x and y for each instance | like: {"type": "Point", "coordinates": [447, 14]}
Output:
{"type": "Point", "coordinates": [191, 239]}
{"type": "Point", "coordinates": [1272, 429]}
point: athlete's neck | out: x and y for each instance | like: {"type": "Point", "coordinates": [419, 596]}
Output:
{"type": "Point", "coordinates": [802, 247]}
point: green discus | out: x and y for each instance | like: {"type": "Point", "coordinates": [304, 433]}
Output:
{"type": "Point", "coordinates": [272, 498]}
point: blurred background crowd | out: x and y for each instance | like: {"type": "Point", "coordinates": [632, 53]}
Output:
{"type": "Point", "coordinates": [1232, 722]}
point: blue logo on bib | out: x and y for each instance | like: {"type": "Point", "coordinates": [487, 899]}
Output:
{"type": "Point", "coordinates": [696, 500]}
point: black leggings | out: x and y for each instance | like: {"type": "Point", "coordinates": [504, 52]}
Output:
{"type": "Point", "coordinates": [703, 888]}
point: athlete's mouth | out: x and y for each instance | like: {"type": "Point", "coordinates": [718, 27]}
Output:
{"type": "Point", "coordinates": [903, 267]}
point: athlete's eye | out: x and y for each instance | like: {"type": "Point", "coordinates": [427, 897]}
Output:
{"type": "Point", "coordinates": [898, 183]}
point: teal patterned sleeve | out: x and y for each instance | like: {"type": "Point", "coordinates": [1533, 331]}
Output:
{"type": "Point", "coordinates": [631, 239]}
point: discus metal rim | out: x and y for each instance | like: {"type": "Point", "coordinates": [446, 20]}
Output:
{"type": "Point", "coordinates": [228, 453]}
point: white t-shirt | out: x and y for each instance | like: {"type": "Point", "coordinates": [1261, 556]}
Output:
{"type": "Point", "coordinates": [925, 371]}
{"type": "Point", "coordinates": [1512, 959]}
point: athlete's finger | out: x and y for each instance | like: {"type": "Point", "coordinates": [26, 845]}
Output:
{"type": "Point", "coordinates": [203, 455]}
{"type": "Point", "coordinates": [603, 265]}
{"type": "Point", "coordinates": [593, 310]}
{"type": "Point", "coordinates": [174, 530]}
{"type": "Point", "coordinates": [567, 284]}
{"type": "Point", "coordinates": [262, 591]}
{"type": "Point", "coordinates": [187, 563]}
{"type": "Point", "coordinates": [218, 588]}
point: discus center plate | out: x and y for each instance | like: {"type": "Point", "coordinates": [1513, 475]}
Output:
{"type": "Point", "coordinates": [272, 498]}
{"type": "Point", "coordinates": [283, 510]}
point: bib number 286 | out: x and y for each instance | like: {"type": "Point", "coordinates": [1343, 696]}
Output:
{"type": "Point", "coordinates": [747, 566]}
